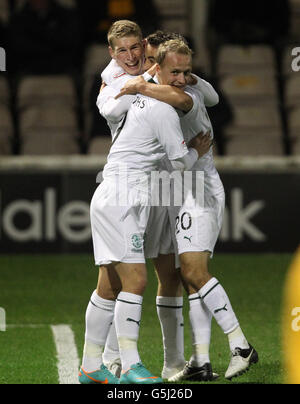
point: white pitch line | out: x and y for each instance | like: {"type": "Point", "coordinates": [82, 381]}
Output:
{"type": "Point", "coordinates": [26, 325]}
{"type": "Point", "coordinates": [68, 361]}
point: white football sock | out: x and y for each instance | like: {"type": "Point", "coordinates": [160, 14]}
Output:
{"type": "Point", "coordinates": [200, 320]}
{"type": "Point", "coordinates": [92, 356]}
{"type": "Point", "coordinates": [127, 322]}
{"type": "Point", "coordinates": [169, 311]}
{"type": "Point", "coordinates": [111, 350]}
{"type": "Point", "coordinates": [216, 300]}
{"type": "Point", "coordinates": [237, 339]}
{"type": "Point", "coordinates": [99, 316]}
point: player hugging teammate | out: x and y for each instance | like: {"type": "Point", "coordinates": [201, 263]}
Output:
{"type": "Point", "coordinates": [149, 134]}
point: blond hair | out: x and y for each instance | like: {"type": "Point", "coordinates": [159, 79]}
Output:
{"type": "Point", "coordinates": [121, 29]}
{"type": "Point", "coordinates": [174, 45]}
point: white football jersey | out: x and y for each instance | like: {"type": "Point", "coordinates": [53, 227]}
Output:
{"type": "Point", "coordinates": [151, 130]}
{"type": "Point", "coordinates": [114, 110]}
{"type": "Point", "coordinates": [112, 73]}
{"type": "Point", "coordinates": [195, 121]}
{"type": "Point", "coordinates": [161, 133]}
{"type": "Point", "coordinates": [135, 150]}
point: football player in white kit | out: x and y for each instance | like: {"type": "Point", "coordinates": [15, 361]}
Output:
{"type": "Point", "coordinates": [169, 300]}
{"type": "Point", "coordinates": [197, 230]}
{"type": "Point", "coordinates": [169, 297]}
{"type": "Point", "coordinates": [119, 214]}
{"type": "Point", "coordinates": [126, 56]}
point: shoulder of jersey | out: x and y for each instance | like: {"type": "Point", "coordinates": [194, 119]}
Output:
{"type": "Point", "coordinates": [194, 91]}
{"type": "Point", "coordinates": [112, 72]}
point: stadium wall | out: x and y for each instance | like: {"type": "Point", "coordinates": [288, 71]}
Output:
{"type": "Point", "coordinates": [44, 204]}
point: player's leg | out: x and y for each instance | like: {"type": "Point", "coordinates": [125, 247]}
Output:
{"type": "Point", "coordinates": [109, 286]}
{"type": "Point", "coordinates": [168, 277]}
{"type": "Point", "coordinates": [198, 367]}
{"type": "Point", "coordinates": [105, 217]}
{"type": "Point", "coordinates": [200, 317]}
{"type": "Point", "coordinates": [197, 231]}
{"type": "Point", "coordinates": [98, 319]}
{"type": "Point", "coordinates": [215, 299]}
{"type": "Point", "coordinates": [111, 354]}
{"type": "Point", "coordinates": [160, 248]}
{"type": "Point", "coordinates": [131, 275]}
{"type": "Point", "coordinates": [128, 312]}
{"type": "Point", "coordinates": [169, 304]}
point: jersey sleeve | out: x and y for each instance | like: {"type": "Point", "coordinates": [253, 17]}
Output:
{"type": "Point", "coordinates": [197, 98]}
{"type": "Point", "coordinates": [210, 95]}
{"type": "Point", "coordinates": [111, 109]}
{"type": "Point", "coordinates": [186, 162]}
{"type": "Point", "coordinates": [114, 76]}
{"type": "Point", "coordinates": [112, 72]}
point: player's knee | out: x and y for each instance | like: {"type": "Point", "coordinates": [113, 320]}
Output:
{"type": "Point", "coordinates": [108, 293]}
{"type": "Point", "coordinates": [169, 284]}
{"type": "Point", "coordinates": [140, 287]}
{"type": "Point", "coordinates": [187, 273]}
{"type": "Point", "coordinates": [194, 275]}
{"type": "Point", "coordinates": [137, 285]}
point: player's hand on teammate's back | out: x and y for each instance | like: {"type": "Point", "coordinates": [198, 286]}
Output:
{"type": "Point", "coordinates": [202, 143]}
{"type": "Point", "coordinates": [132, 87]}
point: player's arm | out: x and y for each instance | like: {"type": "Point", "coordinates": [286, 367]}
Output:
{"type": "Point", "coordinates": [171, 95]}
{"type": "Point", "coordinates": [198, 147]}
{"type": "Point", "coordinates": [111, 109]}
{"type": "Point", "coordinates": [168, 130]}
{"type": "Point", "coordinates": [210, 95]}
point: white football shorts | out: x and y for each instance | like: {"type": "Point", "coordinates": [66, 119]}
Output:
{"type": "Point", "coordinates": [118, 231]}
{"type": "Point", "coordinates": [197, 227]}
{"type": "Point", "coordinates": [158, 237]}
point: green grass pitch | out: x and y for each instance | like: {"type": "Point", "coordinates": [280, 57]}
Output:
{"type": "Point", "coordinates": [39, 291]}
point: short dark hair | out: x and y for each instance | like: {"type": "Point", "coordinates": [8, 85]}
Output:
{"type": "Point", "coordinates": [159, 37]}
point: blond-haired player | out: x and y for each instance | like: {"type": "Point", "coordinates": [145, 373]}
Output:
{"type": "Point", "coordinates": [139, 142]}
{"type": "Point", "coordinates": [169, 300]}
{"type": "Point", "coordinates": [197, 229]}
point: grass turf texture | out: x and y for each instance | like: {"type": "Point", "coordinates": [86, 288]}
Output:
{"type": "Point", "coordinates": [55, 289]}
